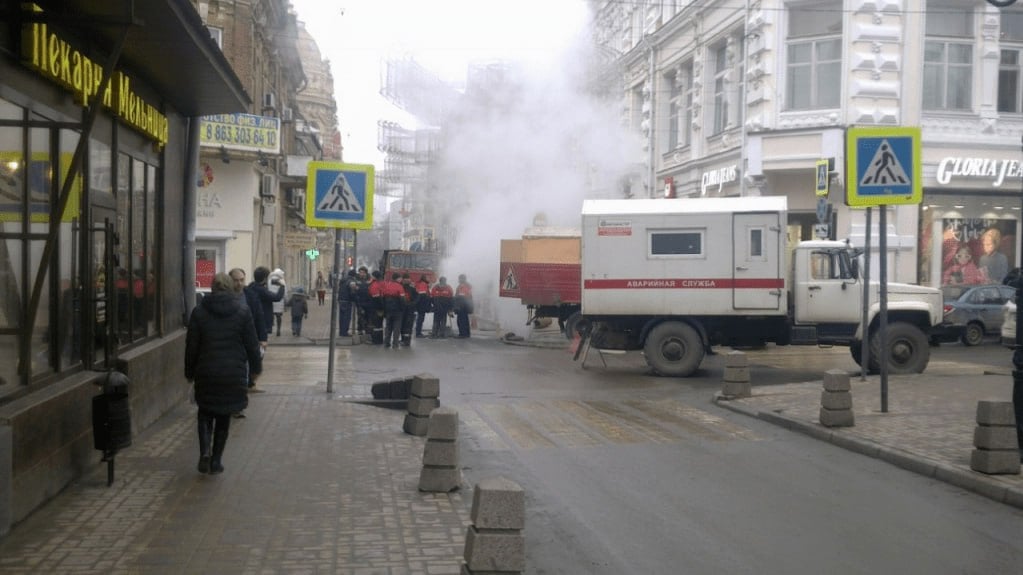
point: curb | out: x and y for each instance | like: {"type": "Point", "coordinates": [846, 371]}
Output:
{"type": "Point", "coordinates": [968, 480]}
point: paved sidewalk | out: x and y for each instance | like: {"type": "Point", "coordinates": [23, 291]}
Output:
{"type": "Point", "coordinates": [928, 428]}
{"type": "Point", "coordinates": [313, 484]}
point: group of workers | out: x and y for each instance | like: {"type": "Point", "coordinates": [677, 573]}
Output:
{"type": "Point", "coordinates": [392, 309]}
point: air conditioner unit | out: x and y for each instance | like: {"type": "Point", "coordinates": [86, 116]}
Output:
{"type": "Point", "coordinates": [286, 114]}
{"type": "Point", "coordinates": [268, 186]}
{"type": "Point", "coordinates": [269, 101]}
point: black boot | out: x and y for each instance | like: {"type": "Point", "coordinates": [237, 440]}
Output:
{"type": "Point", "coordinates": [219, 441]}
{"type": "Point", "coordinates": [205, 431]}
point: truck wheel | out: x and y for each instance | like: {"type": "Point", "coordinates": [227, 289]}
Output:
{"type": "Point", "coordinates": [856, 351]}
{"type": "Point", "coordinates": [908, 350]}
{"type": "Point", "coordinates": [974, 334]}
{"type": "Point", "coordinates": [673, 349]}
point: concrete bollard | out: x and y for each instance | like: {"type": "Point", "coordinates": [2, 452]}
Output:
{"type": "Point", "coordinates": [424, 394]}
{"type": "Point", "coordinates": [836, 400]}
{"type": "Point", "coordinates": [398, 388]}
{"type": "Point", "coordinates": [494, 541]}
{"type": "Point", "coordinates": [997, 449]}
{"type": "Point", "coordinates": [736, 381]}
{"type": "Point", "coordinates": [441, 472]}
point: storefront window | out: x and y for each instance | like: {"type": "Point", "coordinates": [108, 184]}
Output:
{"type": "Point", "coordinates": [151, 279]}
{"type": "Point", "coordinates": [968, 240]}
{"type": "Point", "coordinates": [122, 257]}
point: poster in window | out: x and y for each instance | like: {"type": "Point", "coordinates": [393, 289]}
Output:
{"type": "Point", "coordinates": [977, 250]}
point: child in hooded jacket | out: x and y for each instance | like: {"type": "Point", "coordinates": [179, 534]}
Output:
{"type": "Point", "coordinates": [299, 311]}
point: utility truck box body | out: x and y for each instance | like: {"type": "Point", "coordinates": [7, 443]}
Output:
{"type": "Point", "coordinates": [714, 256]}
{"type": "Point", "coordinates": [675, 277]}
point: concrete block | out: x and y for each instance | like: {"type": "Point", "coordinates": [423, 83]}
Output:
{"type": "Point", "coordinates": [439, 479]}
{"type": "Point", "coordinates": [836, 380]}
{"type": "Point", "coordinates": [836, 400]}
{"type": "Point", "coordinates": [836, 417]}
{"type": "Point", "coordinates": [991, 412]}
{"type": "Point", "coordinates": [736, 359]}
{"type": "Point", "coordinates": [381, 390]}
{"type": "Point", "coordinates": [440, 453]}
{"type": "Point", "coordinates": [422, 405]}
{"type": "Point", "coordinates": [443, 424]}
{"type": "Point", "coordinates": [736, 389]}
{"type": "Point", "coordinates": [736, 374]}
{"type": "Point", "coordinates": [416, 425]}
{"type": "Point", "coordinates": [995, 437]}
{"type": "Point", "coordinates": [425, 385]}
{"type": "Point", "coordinates": [498, 503]}
{"type": "Point", "coordinates": [1000, 462]}
{"type": "Point", "coordinates": [494, 550]}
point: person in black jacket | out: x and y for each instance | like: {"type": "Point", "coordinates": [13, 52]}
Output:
{"type": "Point", "coordinates": [221, 354]}
{"type": "Point", "coordinates": [266, 299]}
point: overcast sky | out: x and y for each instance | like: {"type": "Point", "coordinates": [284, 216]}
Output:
{"type": "Point", "coordinates": [442, 35]}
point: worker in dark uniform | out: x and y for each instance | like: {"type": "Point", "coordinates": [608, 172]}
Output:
{"type": "Point", "coordinates": [345, 287]}
{"type": "Point", "coordinates": [363, 303]}
{"type": "Point", "coordinates": [393, 295]}
{"type": "Point", "coordinates": [463, 306]}
{"type": "Point", "coordinates": [423, 303]}
{"type": "Point", "coordinates": [408, 318]}
{"type": "Point", "coordinates": [442, 296]}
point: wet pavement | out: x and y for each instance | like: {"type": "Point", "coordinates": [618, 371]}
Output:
{"type": "Point", "coordinates": [316, 482]}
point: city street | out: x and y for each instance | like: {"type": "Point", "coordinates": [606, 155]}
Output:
{"type": "Point", "coordinates": [623, 473]}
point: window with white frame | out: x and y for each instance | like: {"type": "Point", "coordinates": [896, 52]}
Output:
{"type": "Point", "coordinates": [720, 107]}
{"type": "Point", "coordinates": [217, 34]}
{"type": "Point", "coordinates": [677, 243]}
{"type": "Point", "coordinates": [813, 70]}
{"type": "Point", "coordinates": [1010, 67]}
{"type": "Point", "coordinates": [680, 107]}
{"type": "Point", "coordinates": [948, 56]}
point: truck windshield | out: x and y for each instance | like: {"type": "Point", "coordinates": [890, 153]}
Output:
{"type": "Point", "coordinates": [412, 261]}
{"type": "Point", "coordinates": [831, 265]}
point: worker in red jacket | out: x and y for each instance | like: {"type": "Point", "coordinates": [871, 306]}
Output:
{"type": "Point", "coordinates": [376, 307]}
{"type": "Point", "coordinates": [441, 294]}
{"type": "Point", "coordinates": [423, 303]}
{"type": "Point", "coordinates": [393, 295]}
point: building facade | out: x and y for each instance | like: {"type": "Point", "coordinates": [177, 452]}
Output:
{"type": "Point", "coordinates": [100, 144]}
{"type": "Point", "coordinates": [746, 101]}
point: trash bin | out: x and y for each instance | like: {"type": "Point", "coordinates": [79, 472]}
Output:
{"type": "Point", "coordinates": [111, 415]}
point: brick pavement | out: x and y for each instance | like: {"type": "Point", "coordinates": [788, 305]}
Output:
{"type": "Point", "coordinates": [313, 484]}
{"type": "Point", "coordinates": [928, 428]}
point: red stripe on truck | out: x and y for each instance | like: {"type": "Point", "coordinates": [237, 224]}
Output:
{"type": "Point", "coordinates": [686, 283]}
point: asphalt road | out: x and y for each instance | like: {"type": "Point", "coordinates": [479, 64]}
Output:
{"type": "Point", "coordinates": [626, 472]}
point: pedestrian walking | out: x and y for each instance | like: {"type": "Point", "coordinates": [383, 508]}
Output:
{"type": "Point", "coordinates": [393, 301]}
{"type": "Point", "coordinates": [423, 303]}
{"type": "Point", "coordinates": [463, 306]}
{"type": "Point", "coordinates": [249, 298]}
{"type": "Point", "coordinates": [363, 301]}
{"type": "Point", "coordinates": [221, 355]}
{"type": "Point", "coordinates": [321, 287]}
{"type": "Point", "coordinates": [266, 298]}
{"type": "Point", "coordinates": [442, 296]}
{"type": "Point", "coordinates": [277, 278]}
{"type": "Point", "coordinates": [299, 311]}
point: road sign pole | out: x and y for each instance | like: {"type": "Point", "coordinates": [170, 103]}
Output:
{"type": "Point", "coordinates": [882, 326]}
{"type": "Point", "coordinates": [334, 310]}
{"type": "Point", "coordinates": [865, 343]}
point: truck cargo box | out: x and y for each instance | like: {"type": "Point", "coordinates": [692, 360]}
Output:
{"type": "Point", "coordinates": [692, 256]}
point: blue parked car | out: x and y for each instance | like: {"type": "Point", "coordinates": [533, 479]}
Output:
{"type": "Point", "coordinates": [971, 312]}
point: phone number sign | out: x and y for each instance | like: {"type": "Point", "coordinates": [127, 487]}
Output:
{"type": "Point", "coordinates": [246, 132]}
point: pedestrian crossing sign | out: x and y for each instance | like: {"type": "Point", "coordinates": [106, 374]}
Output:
{"type": "Point", "coordinates": [339, 195]}
{"type": "Point", "coordinates": [883, 166]}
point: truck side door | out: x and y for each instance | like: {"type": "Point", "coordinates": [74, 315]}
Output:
{"type": "Point", "coordinates": [824, 291]}
{"type": "Point", "coordinates": [757, 281]}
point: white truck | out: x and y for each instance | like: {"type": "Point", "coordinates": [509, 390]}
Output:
{"type": "Point", "coordinates": [674, 277]}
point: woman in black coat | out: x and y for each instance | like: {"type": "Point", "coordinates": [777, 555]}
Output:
{"type": "Point", "coordinates": [221, 353]}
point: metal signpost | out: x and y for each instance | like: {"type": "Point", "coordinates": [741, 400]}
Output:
{"type": "Point", "coordinates": [883, 167]}
{"type": "Point", "coordinates": [338, 196]}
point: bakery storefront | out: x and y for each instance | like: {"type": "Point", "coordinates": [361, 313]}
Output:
{"type": "Point", "coordinates": [99, 144]}
{"type": "Point", "coordinates": [970, 218]}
